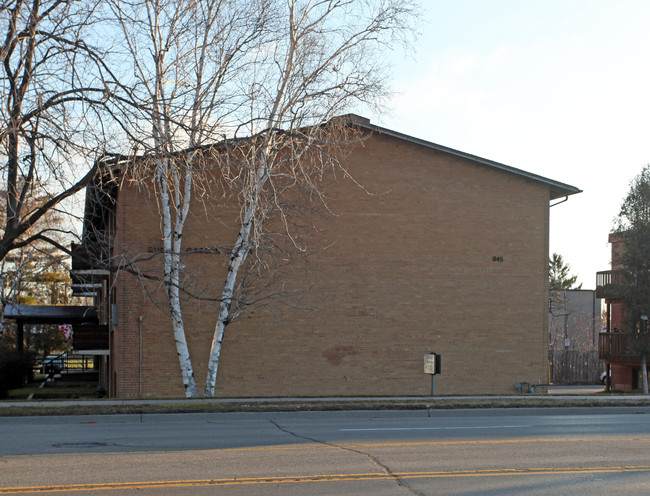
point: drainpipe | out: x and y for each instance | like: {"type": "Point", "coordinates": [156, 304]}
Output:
{"type": "Point", "coordinates": [566, 323]}
{"type": "Point", "coordinates": [566, 198]}
{"type": "Point", "coordinates": [140, 319]}
{"type": "Point", "coordinates": [566, 339]}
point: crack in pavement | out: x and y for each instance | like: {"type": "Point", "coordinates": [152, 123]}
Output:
{"type": "Point", "coordinates": [372, 459]}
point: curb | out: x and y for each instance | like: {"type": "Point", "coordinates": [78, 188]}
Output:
{"type": "Point", "coordinates": [182, 405]}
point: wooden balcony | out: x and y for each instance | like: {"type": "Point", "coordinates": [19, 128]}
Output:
{"type": "Point", "coordinates": [618, 347]}
{"type": "Point", "coordinates": [88, 338]}
{"type": "Point", "coordinates": [608, 284]}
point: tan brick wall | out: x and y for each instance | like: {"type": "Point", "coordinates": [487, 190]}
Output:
{"type": "Point", "coordinates": [407, 268]}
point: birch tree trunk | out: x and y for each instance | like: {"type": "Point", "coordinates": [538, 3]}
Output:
{"type": "Point", "coordinates": [173, 170]}
{"type": "Point", "coordinates": [172, 244]}
{"type": "Point", "coordinates": [174, 207]}
{"type": "Point", "coordinates": [237, 259]}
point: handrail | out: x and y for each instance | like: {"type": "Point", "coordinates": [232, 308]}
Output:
{"type": "Point", "coordinates": [609, 283]}
{"type": "Point", "coordinates": [618, 346]}
{"type": "Point", "coordinates": [64, 362]}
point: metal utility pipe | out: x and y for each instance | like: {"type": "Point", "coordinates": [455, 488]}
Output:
{"type": "Point", "coordinates": [140, 319]}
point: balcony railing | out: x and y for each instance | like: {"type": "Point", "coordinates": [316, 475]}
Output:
{"type": "Point", "coordinates": [608, 284]}
{"type": "Point", "coordinates": [90, 338]}
{"type": "Point", "coordinates": [64, 362]}
{"type": "Point", "coordinates": [619, 346]}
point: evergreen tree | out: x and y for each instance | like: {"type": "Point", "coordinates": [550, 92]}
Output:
{"type": "Point", "coordinates": [633, 263]}
{"type": "Point", "coordinates": [559, 274]}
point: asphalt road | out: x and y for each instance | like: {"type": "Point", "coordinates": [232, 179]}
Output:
{"type": "Point", "coordinates": [470, 452]}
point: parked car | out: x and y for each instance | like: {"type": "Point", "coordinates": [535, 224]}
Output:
{"type": "Point", "coordinates": [52, 365]}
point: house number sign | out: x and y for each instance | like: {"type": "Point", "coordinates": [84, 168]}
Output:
{"type": "Point", "coordinates": [497, 259]}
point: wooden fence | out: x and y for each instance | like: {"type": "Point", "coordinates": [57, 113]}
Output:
{"type": "Point", "coordinates": [575, 367]}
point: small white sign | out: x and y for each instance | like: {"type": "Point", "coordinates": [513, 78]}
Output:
{"type": "Point", "coordinates": [430, 363]}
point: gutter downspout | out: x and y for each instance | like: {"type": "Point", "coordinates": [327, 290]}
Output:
{"type": "Point", "coordinates": [140, 319]}
{"type": "Point", "coordinates": [566, 198]}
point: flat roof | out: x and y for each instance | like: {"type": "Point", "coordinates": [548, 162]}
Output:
{"type": "Point", "coordinates": [51, 314]}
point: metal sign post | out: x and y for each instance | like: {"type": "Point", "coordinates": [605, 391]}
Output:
{"type": "Point", "coordinates": [432, 365]}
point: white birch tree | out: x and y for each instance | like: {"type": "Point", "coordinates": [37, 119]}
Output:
{"type": "Point", "coordinates": [258, 79]}
{"type": "Point", "coordinates": [184, 53]}
{"type": "Point", "coordinates": [324, 60]}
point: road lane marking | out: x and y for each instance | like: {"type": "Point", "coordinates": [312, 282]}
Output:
{"type": "Point", "coordinates": [380, 429]}
{"type": "Point", "coordinates": [503, 472]}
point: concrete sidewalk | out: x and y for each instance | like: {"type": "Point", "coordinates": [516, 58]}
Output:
{"type": "Point", "coordinates": [576, 390]}
{"type": "Point", "coordinates": [559, 396]}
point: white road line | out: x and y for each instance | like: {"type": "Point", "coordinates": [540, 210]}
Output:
{"type": "Point", "coordinates": [433, 428]}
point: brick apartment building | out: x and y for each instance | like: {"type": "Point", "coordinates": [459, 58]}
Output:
{"type": "Point", "coordinates": [615, 344]}
{"type": "Point", "coordinates": [440, 251]}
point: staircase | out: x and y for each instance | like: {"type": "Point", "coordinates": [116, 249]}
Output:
{"type": "Point", "coordinates": [68, 376]}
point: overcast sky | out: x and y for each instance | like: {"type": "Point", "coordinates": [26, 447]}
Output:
{"type": "Point", "coordinates": [560, 88]}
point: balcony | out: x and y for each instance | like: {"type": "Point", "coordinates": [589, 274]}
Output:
{"type": "Point", "coordinates": [89, 270]}
{"type": "Point", "coordinates": [91, 339]}
{"type": "Point", "coordinates": [619, 346]}
{"type": "Point", "coordinates": [608, 284]}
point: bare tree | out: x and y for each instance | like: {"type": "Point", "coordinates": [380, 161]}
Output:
{"type": "Point", "coordinates": [51, 108]}
{"type": "Point", "coordinates": [324, 58]}
{"type": "Point", "coordinates": [36, 273]}
{"type": "Point", "coordinates": [180, 95]}
{"type": "Point", "coordinates": [242, 94]}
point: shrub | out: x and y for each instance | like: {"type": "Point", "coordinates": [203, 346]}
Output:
{"type": "Point", "coordinates": [15, 369]}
